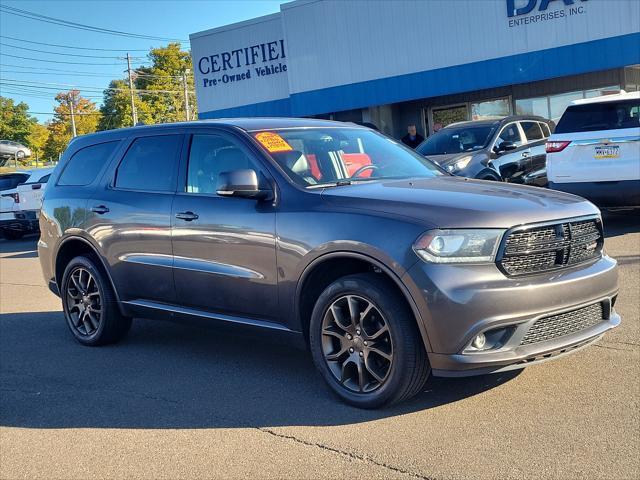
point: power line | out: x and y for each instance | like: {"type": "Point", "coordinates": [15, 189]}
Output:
{"type": "Point", "coordinates": [55, 86]}
{"type": "Point", "coordinates": [40, 69]}
{"type": "Point", "coordinates": [42, 94]}
{"type": "Point", "coordinates": [60, 53]}
{"type": "Point", "coordinates": [69, 114]}
{"type": "Point", "coordinates": [77, 48]}
{"type": "Point", "coordinates": [57, 21]}
{"type": "Point", "coordinates": [57, 61]}
{"type": "Point", "coordinates": [89, 74]}
{"type": "Point", "coordinates": [78, 74]}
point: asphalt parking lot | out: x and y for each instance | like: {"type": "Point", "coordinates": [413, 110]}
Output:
{"type": "Point", "coordinates": [180, 402]}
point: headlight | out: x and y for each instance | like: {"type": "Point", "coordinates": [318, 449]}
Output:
{"type": "Point", "coordinates": [459, 246]}
{"type": "Point", "coordinates": [460, 164]}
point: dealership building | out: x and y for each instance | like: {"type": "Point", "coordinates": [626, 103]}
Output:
{"type": "Point", "coordinates": [425, 62]}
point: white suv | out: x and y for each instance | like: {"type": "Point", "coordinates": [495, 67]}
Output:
{"type": "Point", "coordinates": [20, 201]}
{"type": "Point", "coordinates": [594, 151]}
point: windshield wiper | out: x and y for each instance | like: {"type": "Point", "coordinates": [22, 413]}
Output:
{"type": "Point", "coordinates": [339, 183]}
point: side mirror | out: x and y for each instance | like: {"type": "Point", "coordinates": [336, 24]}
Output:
{"type": "Point", "coordinates": [506, 146]}
{"type": "Point", "coordinates": [241, 183]}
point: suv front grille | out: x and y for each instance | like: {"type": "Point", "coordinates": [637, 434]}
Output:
{"type": "Point", "coordinates": [564, 324]}
{"type": "Point", "coordinates": [550, 247]}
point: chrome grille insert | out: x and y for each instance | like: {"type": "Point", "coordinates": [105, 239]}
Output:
{"type": "Point", "coordinates": [564, 324]}
{"type": "Point", "coordinates": [536, 249]}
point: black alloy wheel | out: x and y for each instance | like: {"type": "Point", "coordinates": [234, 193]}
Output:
{"type": "Point", "coordinates": [84, 303]}
{"type": "Point", "coordinates": [365, 341]}
{"type": "Point", "coordinates": [356, 343]}
{"type": "Point", "coordinates": [90, 304]}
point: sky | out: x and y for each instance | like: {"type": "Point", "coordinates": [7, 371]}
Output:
{"type": "Point", "coordinates": [36, 82]}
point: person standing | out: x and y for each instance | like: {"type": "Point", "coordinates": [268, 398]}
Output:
{"type": "Point", "coordinates": [412, 138]}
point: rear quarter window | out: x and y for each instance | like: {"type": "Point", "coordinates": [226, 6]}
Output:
{"type": "Point", "coordinates": [593, 117]}
{"type": "Point", "coordinates": [86, 163]}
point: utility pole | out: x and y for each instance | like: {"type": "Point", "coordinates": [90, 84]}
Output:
{"type": "Point", "coordinates": [186, 96]}
{"type": "Point", "coordinates": [134, 114]}
{"type": "Point", "coordinates": [72, 102]}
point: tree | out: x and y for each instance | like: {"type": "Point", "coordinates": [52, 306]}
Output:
{"type": "Point", "coordinates": [166, 74]}
{"type": "Point", "coordinates": [37, 139]}
{"type": "Point", "coordinates": [159, 89]}
{"type": "Point", "coordinates": [60, 131]}
{"type": "Point", "coordinates": [116, 107]}
{"type": "Point", "coordinates": [15, 122]}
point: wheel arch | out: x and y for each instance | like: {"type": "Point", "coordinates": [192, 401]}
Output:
{"type": "Point", "coordinates": [74, 246]}
{"type": "Point", "coordinates": [356, 263]}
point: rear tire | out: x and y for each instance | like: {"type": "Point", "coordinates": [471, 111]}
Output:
{"type": "Point", "coordinates": [365, 342]}
{"type": "Point", "coordinates": [90, 305]}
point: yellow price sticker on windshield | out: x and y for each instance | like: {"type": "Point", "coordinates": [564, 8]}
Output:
{"type": "Point", "coordinates": [273, 142]}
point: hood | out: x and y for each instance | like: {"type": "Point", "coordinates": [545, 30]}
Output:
{"type": "Point", "coordinates": [456, 202]}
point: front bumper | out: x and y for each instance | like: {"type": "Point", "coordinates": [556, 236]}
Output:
{"type": "Point", "coordinates": [457, 302]}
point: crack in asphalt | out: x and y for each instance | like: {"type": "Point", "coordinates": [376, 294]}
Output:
{"type": "Point", "coordinates": [133, 393]}
{"type": "Point", "coordinates": [23, 284]}
{"type": "Point", "coordinates": [623, 343]}
{"type": "Point", "coordinates": [612, 348]}
{"type": "Point", "coordinates": [350, 455]}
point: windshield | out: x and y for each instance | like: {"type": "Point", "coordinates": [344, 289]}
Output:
{"type": "Point", "coordinates": [457, 140]}
{"type": "Point", "coordinates": [320, 156]}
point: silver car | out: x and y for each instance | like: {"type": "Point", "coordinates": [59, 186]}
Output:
{"type": "Point", "coordinates": [9, 149]}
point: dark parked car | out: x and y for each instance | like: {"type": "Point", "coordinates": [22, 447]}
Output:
{"type": "Point", "coordinates": [332, 234]}
{"type": "Point", "coordinates": [510, 149]}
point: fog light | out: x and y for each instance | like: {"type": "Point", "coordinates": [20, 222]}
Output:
{"type": "Point", "coordinates": [490, 339]}
{"type": "Point", "coordinates": [479, 342]}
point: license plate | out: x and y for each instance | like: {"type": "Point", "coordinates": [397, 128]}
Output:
{"type": "Point", "coordinates": [607, 151]}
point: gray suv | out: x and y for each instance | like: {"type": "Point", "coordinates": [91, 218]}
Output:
{"type": "Point", "coordinates": [330, 234]}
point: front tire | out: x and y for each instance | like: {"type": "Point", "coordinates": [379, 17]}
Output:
{"type": "Point", "coordinates": [365, 342]}
{"type": "Point", "coordinates": [90, 305]}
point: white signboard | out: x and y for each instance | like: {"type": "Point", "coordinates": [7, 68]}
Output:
{"type": "Point", "coordinates": [241, 64]}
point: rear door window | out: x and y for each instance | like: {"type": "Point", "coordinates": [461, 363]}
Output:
{"type": "Point", "coordinates": [150, 164]}
{"type": "Point", "coordinates": [593, 117]}
{"type": "Point", "coordinates": [86, 163]}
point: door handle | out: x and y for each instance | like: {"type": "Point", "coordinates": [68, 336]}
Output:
{"type": "Point", "coordinates": [100, 209]}
{"type": "Point", "coordinates": [525, 154]}
{"type": "Point", "coordinates": [187, 216]}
